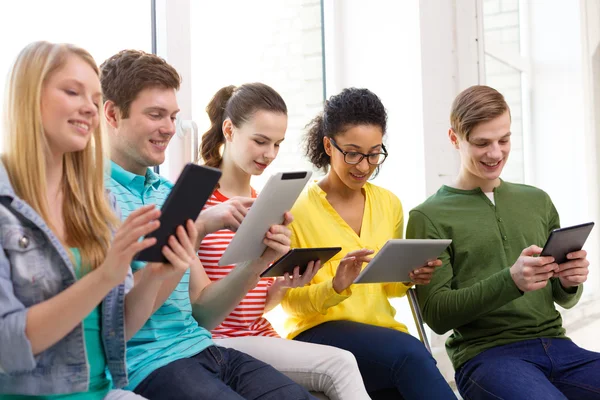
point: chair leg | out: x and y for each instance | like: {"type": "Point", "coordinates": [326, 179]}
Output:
{"type": "Point", "coordinates": [418, 317]}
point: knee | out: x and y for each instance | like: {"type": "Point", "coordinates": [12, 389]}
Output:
{"type": "Point", "coordinates": [413, 352]}
{"type": "Point", "coordinates": [344, 359]}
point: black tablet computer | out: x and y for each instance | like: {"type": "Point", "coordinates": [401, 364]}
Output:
{"type": "Point", "coordinates": [566, 240]}
{"type": "Point", "coordinates": [300, 258]}
{"type": "Point", "coordinates": [191, 191]}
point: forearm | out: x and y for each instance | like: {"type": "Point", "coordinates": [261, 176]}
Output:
{"type": "Point", "coordinates": [69, 307]}
{"type": "Point", "coordinates": [199, 280]}
{"type": "Point", "coordinates": [142, 300]}
{"type": "Point", "coordinates": [565, 297]}
{"type": "Point", "coordinates": [217, 300]}
{"type": "Point", "coordinates": [166, 288]}
{"type": "Point", "coordinates": [445, 308]}
{"type": "Point", "coordinates": [275, 295]}
{"type": "Point", "coordinates": [313, 299]}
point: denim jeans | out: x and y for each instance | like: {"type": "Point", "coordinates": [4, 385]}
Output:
{"type": "Point", "coordinates": [544, 369]}
{"type": "Point", "coordinates": [219, 373]}
{"type": "Point", "coordinates": [393, 364]}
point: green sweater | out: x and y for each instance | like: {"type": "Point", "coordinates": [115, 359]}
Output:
{"type": "Point", "coordinates": [472, 293]}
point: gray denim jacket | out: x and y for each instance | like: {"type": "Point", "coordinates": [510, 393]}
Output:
{"type": "Point", "coordinates": [34, 266]}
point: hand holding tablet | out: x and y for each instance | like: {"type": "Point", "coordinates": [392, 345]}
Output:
{"type": "Point", "coordinates": [566, 240]}
{"type": "Point", "coordinates": [399, 257]}
{"type": "Point", "coordinates": [191, 191]}
{"type": "Point", "coordinates": [277, 197]}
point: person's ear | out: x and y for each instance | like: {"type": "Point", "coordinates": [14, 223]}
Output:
{"type": "Point", "coordinates": [227, 128]}
{"type": "Point", "coordinates": [453, 138]}
{"type": "Point", "coordinates": [112, 114]}
{"type": "Point", "coordinates": [327, 145]}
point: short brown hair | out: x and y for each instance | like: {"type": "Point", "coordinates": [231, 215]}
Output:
{"type": "Point", "coordinates": [127, 73]}
{"type": "Point", "coordinates": [474, 106]}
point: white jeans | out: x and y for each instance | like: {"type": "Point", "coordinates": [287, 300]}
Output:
{"type": "Point", "coordinates": [119, 394]}
{"type": "Point", "coordinates": [316, 367]}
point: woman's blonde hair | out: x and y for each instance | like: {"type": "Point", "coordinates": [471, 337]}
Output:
{"type": "Point", "coordinates": [89, 219]}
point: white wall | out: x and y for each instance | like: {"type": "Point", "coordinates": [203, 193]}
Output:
{"type": "Point", "coordinates": [376, 45]}
{"type": "Point", "coordinates": [565, 149]}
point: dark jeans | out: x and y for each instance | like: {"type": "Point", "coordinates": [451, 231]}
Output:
{"type": "Point", "coordinates": [544, 369]}
{"type": "Point", "coordinates": [393, 364]}
{"type": "Point", "coordinates": [219, 373]}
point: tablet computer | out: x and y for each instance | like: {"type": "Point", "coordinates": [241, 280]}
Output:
{"type": "Point", "coordinates": [566, 240]}
{"type": "Point", "coordinates": [278, 196]}
{"type": "Point", "coordinates": [189, 194]}
{"type": "Point", "coordinates": [398, 257]}
{"type": "Point", "coordinates": [300, 258]}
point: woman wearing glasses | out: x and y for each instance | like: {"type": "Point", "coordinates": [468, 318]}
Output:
{"type": "Point", "coordinates": [344, 209]}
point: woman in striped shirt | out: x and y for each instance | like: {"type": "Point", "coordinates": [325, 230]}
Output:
{"type": "Point", "coordinates": [250, 123]}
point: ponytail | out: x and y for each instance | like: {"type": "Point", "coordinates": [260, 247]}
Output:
{"type": "Point", "coordinates": [239, 105]}
{"type": "Point", "coordinates": [213, 138]}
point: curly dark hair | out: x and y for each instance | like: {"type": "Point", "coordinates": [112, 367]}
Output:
{"type": "Point", "coordinates": [349, 108]}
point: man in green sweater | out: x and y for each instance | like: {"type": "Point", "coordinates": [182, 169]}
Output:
{"type": "Point", "coordinates": [493, 291]}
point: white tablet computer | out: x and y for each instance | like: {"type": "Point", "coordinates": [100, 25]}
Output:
{"type": "Point", "coordinates": [398, 257]}
{"type": "Point", "coordinates": [278, 196]}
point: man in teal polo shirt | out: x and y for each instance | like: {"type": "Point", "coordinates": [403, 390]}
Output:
{"type": "Point", "coordinates": [492, 290]}
{"type": "Point", "coordinates": [172, 356]}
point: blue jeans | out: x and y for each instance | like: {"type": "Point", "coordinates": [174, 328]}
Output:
{"type": "Point", "coordinates": [544, 369]}
{"type": "Point", "coordinates": [219, 373]}
{"type": "Point", "coordinates": [393, 364]}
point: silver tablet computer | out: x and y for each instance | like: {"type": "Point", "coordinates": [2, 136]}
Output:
{"type": "Point", "coordinates": [278, 196]}
{"type": "Point", "coordinates": [398, 257]}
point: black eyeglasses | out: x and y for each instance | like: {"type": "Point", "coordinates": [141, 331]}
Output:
{"type": "Point", "coordinates": [355, 157]}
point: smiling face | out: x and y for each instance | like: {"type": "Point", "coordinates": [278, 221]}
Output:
{"type": "Point", "coordinates": [69, 106]}
{"type": "Point", "coordinates": [486, 151]}
{"type": "Point", "coordinates": [365, 139]}
{"type": "Point", "coordinates": [140, 140]}
{"type": "Point", "coordinates": [255, 144]}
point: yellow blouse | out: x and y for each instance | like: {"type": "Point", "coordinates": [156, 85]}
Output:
{"type": "Point", "coordinates": [317, 224]}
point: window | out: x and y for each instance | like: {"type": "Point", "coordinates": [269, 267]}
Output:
{"type": "Point", "coordinates": [280, 45]}
{"type": "Point", "coordinates": [101, 28]}
{"type": "Point", "coordinates": [506, 63]}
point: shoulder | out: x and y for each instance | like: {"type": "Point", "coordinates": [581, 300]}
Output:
{"type": "Point", "coordinates": [438, 202]}
{"type": "Point", "coordinates": [383, 195]}
{"type": "Point", "coordinates": [307, 199]}
{"type": "Point", "coordinates": [164, 182]}
{"type": "Point", "coordinates": [524, 190]}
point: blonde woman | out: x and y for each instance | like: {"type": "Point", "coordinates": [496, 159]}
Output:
{"type": "Point", "coordinates": [66, 308]}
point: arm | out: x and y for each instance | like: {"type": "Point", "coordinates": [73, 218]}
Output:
{"type": "Point", "coordinates": [274, 296]}
{"type": "Point", "coordinates": [69, 307]}
{"type": "Point", "coordinates": [282, 284]}
{"type": "Point", "coordinates": [564, 292]}
{"type": "Point", "coordinates": [220, 298]}
{"type": "Point", "coordinates": [142, 301]}
{"type": "Point", "coordinates": [565, 297]}
{"type": "Point", "coordinates": [445, 308]}
{"type": "Point", "coordinates": [316, 298]}
{"type": "Point", "coordinates": [156, 281]}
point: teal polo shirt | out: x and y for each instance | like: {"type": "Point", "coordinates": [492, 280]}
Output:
{"type": "Point", "coordinates": [171, 333]}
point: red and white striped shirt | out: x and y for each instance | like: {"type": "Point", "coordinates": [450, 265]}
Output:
{"type": "Point", "coordinates": [247, 318]}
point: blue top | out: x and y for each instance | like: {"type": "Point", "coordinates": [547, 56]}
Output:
{"type": "Point", "coordinates": [171, 333]}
